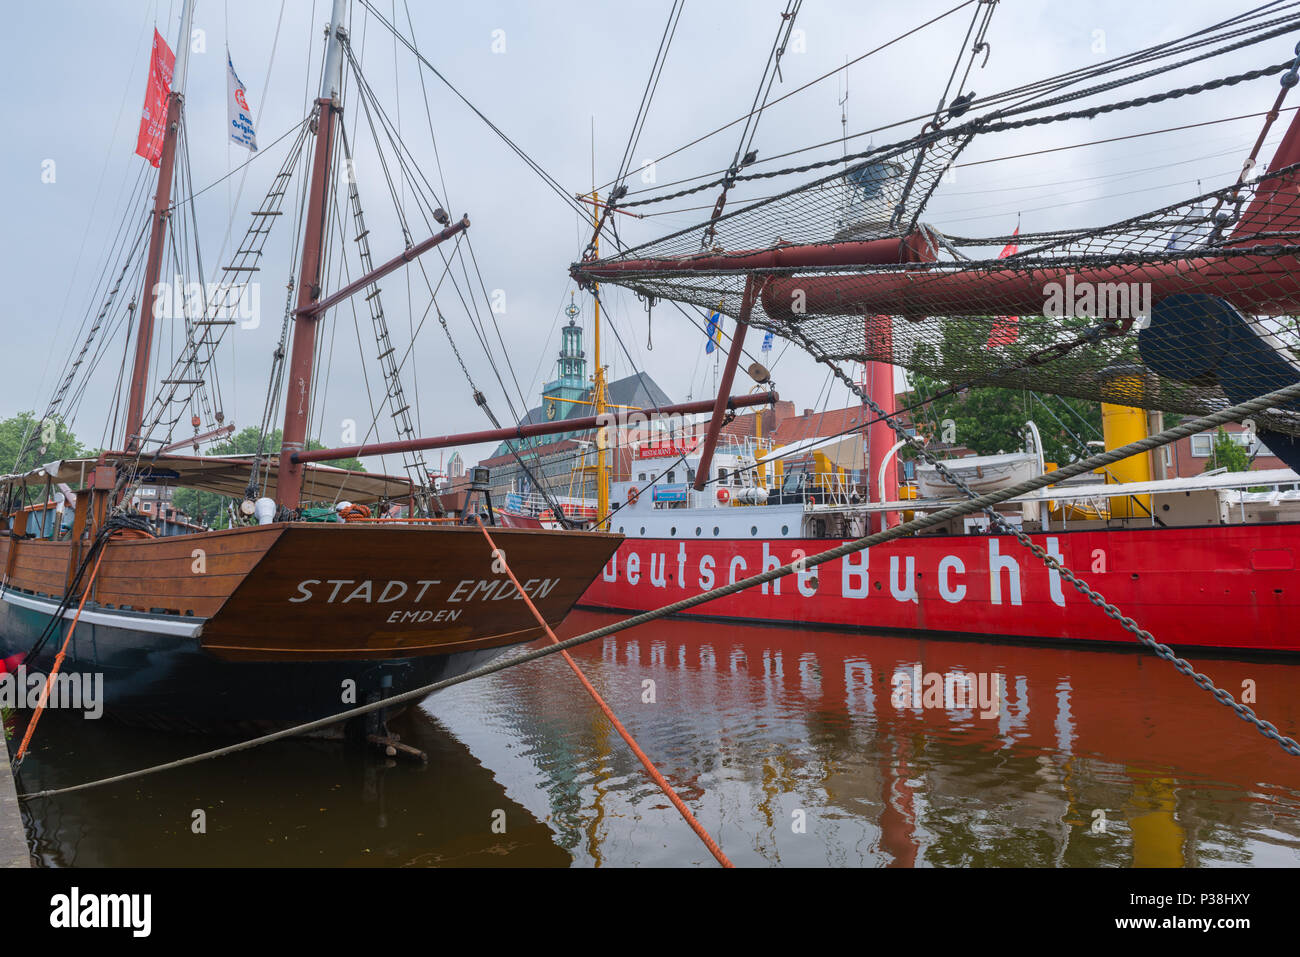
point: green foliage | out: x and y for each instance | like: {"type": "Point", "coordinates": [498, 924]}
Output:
{"type": "Point", "coordinates": [25, 425]}
{"type": "Point", "coordinates": [1227, 454]}
{"type": "Point", "coordinates": [209, 509]}
{"type": "Point", "coordinates": [61, 444]}
{"type": "Point", "coordinates": [990, 420]}
{"type": "Point", "coordinates": [205, 508]}
{"type": "Point", "coordinates": [245, 443]}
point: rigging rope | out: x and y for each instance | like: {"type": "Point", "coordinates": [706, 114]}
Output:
{"type": "Point", "coordinates": [824, 76]}
{"type": "Point", "coordinates": [745, 153]}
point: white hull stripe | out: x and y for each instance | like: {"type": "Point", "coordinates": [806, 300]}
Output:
{"type": "Point", "coordinates": [111, 619]}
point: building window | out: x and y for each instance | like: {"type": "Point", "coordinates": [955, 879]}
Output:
{"type": "Point", "coordinates": [1202, 445]}
{"type": "Point", "coordinates": [672, 476]}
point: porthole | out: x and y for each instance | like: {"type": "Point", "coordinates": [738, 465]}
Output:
{"type": "Point", "coordinates": [698, 530]}
{"type": "Point", "coordinates": [673, 531]}
{"type": "Point", "coordinates": [753, 529]}
{"type": "Point", "coordinates": [715, 531]}
{"type": "Point", "coordinates": [785, 529]}
{"type": "Point", "coordinates": [642, 531]}
{"type": "Point", "coordinates": [621, 530]}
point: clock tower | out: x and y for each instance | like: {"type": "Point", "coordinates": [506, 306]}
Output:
{"type": "Point", "coordinates": [571, 375]}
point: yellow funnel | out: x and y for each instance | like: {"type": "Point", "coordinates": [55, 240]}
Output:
{"type": "Point", "coordinates": [1120, 425]}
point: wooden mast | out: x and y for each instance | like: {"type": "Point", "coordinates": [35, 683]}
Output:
{"type": "Point", "coordinates": [160, 216]}
{"type": "Point", "coordinates": [297, 406]}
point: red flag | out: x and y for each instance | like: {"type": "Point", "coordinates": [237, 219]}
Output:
{"type": "Point", "coordinates": [1005, 329]}
{"type": "Point", "coordinates": [153, 121]}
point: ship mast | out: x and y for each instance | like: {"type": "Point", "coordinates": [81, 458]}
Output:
{"type": "Point", "coordinates": [598, 396]}
{"type": "Point", "coordinates": [302, 357]}
{"type": "Point", "coordinates": [157, 238]}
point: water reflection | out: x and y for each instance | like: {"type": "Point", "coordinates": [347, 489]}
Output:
{"type": "Point", "coordinates": [1093, 758]}
{"type": "Point", "coordinates": [792, 748]}
{"type": "Point", "coordinates": [288, 804]}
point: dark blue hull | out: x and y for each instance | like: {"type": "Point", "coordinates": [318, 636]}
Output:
{"type": "Point", "coordinates": [168, 681]}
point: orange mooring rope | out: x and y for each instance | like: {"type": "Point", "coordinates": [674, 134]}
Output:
{"type": "Point", "coordinates": [658, 778]}
{"type": "Point", "coordinates": [58, 661]}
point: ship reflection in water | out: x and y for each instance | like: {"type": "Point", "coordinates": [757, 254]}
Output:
{"type": "Point", "coordinates": [793, 748]}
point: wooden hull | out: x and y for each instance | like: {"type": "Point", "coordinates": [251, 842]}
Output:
{"type": "Point", "coordinates": [262, 627]}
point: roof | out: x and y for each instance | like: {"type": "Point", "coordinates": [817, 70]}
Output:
{"type": "Point", "coordinates": [638, 391]}
{"type": "Point", "coordinates": [743, 424]}
{"type": "Point", "coordinates": [532, 453]}
{"type": "Point", "coordinates": [844, 451]}
{"type": "Point", "coordinates": [818, 425]}
{"type": "Point", "coordinates": [228, 475]}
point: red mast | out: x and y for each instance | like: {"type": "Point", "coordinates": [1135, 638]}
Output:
{"type": "Point", "coordinates": [302, 357]}
{"type": "Point", "coordinates": [138, 393]}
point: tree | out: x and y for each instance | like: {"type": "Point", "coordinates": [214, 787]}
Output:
{"type": "Point", "coordinates": [1227, 454]}
{"type": "Point", "coordinates": [990, 420]}
{"type": "Point", "coordinates": [45, 441]}
{"type": "Point", "coordinates": [208, 508]}
{"type": "Point", "coordinates": [246, 443]}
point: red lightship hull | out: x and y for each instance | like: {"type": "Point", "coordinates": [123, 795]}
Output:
{"type": "Point", "coordinates": [1232, 588]}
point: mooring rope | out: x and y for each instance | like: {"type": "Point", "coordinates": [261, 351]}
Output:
{"type": "Point", "coordinates": [58, 663]}
{"type": "Point", "coordinates": [623, 733]}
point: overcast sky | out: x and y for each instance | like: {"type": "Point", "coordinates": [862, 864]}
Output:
{"type": "Point", "coordinates": [544, 73]}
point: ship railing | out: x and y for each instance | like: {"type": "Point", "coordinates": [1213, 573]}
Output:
{"type": "Point", "coordinates": [535, 504]}
{"type": "Point", "coordinates": [402, 520]}
{"type": "Point", "coordinates": [831, 488]}
{"type": "Point", "coordinates": [532, 504]}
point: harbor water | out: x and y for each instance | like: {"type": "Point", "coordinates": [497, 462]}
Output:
{"type": "Point", "coordinates": [793, 748]}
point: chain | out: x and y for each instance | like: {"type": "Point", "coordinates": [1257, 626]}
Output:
{"type": "Point", "coordinates": [442, 320]}
{"type": "Point", "coordinates": [1266, 728]}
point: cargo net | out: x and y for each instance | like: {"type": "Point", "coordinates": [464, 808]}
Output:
{"type": "Point", "coordinates": [1185, 309]}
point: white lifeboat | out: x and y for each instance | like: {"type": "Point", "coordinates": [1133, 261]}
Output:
{"type": "Point", "coordinates": [982, 473]}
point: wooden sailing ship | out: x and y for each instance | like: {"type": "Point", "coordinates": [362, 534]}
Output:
{"type": "Point", "coordinates": [276, 620]}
